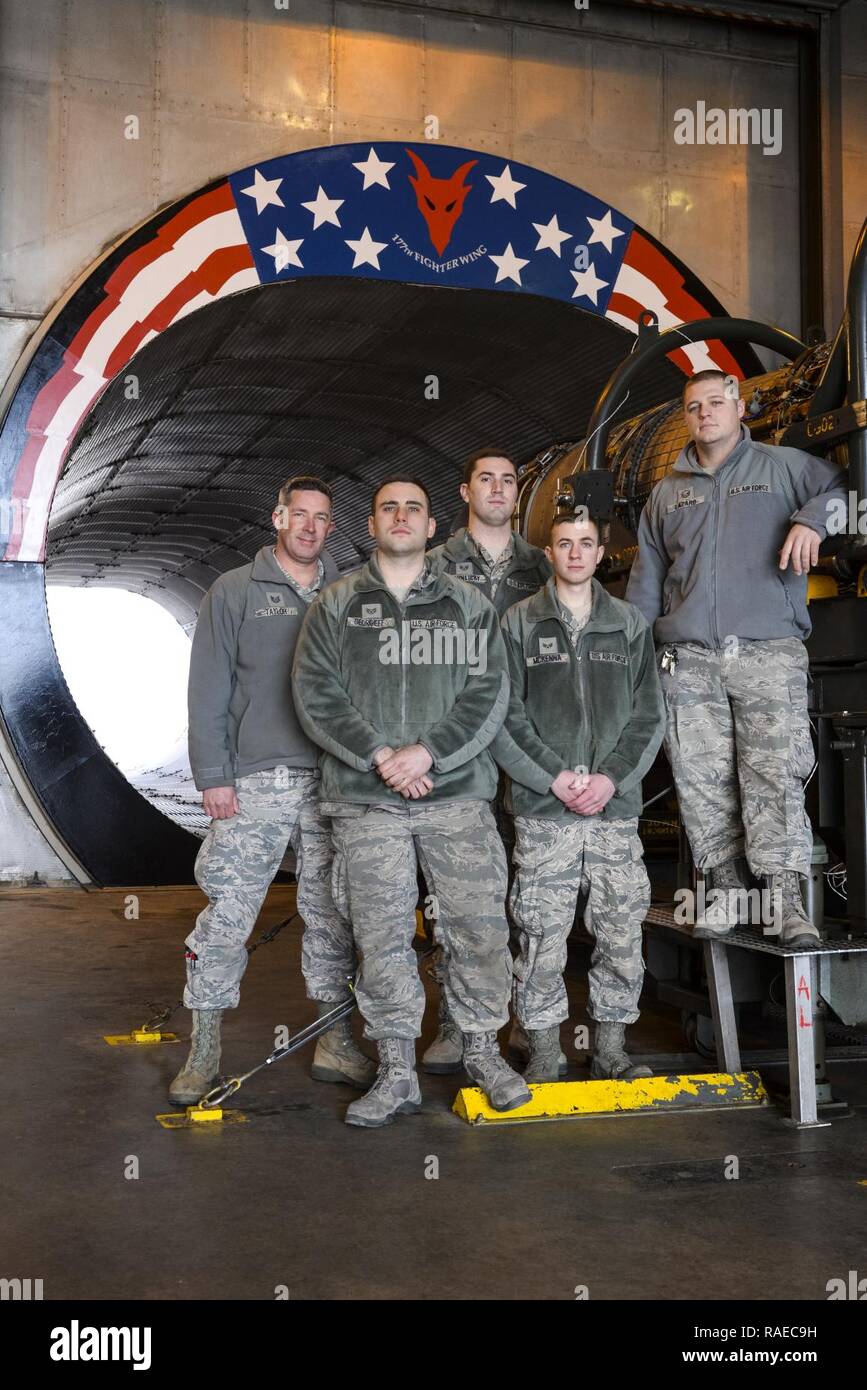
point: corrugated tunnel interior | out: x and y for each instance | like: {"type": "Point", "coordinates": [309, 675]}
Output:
{"type": "Point", "coordinates": [173, 475]}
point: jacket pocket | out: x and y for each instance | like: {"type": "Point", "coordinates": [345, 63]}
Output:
{"type": "Point", "coordinates": [239, 732]}
{"type": "Point", "coordinates": [695, 730]}
{"type": "Point", "coordinates": [802, 755]}
{"type": "Point", "coordinates": [787, 600]}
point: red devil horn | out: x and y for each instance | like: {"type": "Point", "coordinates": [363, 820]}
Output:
{"type": "Point", "coordinates": [420, 167]}
{"type": "Point", "coordinates": [460, 174]}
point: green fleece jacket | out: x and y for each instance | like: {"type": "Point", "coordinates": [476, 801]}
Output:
{"type": "Point", "coordinates": [372, 672]}
{"type": "Point", "coordinates": [597, 706]}
{"type": "Point", "coordinates": [527, 572]}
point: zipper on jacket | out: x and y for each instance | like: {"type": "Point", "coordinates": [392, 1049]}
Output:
{"type": "Point", "coordinates": [714, 549]}
{"type": "Point", "coordinates": [403, 665]}
{"type": "Point", "coordinates": [583, 691]}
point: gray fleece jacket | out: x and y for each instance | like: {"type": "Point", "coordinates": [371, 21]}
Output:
{"type": "Point", "coordinates": [242, 716]}
{"type": "Point", "coordinates": [708, 544]}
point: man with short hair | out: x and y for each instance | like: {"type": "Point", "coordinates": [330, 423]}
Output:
{"type": "Point", "coordinates": [400, 677]}
{"type": "Point", "coordinates": [497, 561]}
{"type": "Point", "coordinates": [725, 543]}
{"type": "Point", "coordinates": [584, 725]}
{"type": "Point", "coordinates": [257, 770]}
{"type": "Point", "coordinates": [487, 552]}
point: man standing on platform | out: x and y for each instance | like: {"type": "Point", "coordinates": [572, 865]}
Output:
{"type": "Point", "coordinates": [725, 544]}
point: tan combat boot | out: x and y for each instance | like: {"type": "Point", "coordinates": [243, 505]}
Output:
{"type": "Point", "coordinates": [728, 883]}
{"type": "Point", "coordinates": [201, 1069]}
{"type": "Point", "coordinates": [797, 929]}
{"type": "Point", "coordinates": [338, 1058]}
{"type": "Point", "coordinates": [446, 1052]}
{"type": "Point", "coordinates": [395, 1090]}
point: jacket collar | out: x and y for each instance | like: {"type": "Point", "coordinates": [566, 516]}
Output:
{"type": "Point", "coordinates": [369, 578]}
{"type": "Point", "coordinates": [458, 547]}
{"type": "Point", "coordinates": [605, 616]}
{"type": "Point", "coordinates": [687, 460]}
{"type": "Point", "coordinates": [265, 567]}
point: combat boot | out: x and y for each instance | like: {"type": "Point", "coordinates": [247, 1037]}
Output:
{"type": "Point", "coordinates": [725, 914]}
{"type": "Point", "coordinates": [519, 1046]}
{"type": "Point", "coordinates": [484, 1065]}
{"type": "Point", "coordinates": [445, 1054]}
{"type": "Point", "coordinates": [544, 1054]}
{"type": "Point", "coordinates": [797, 929]}
{"type": "Point", "coordinates": [201, 1069]}
{"type": "Point", "coordinates": [610, 1061]}
{"type": "Point", "coordinates": [395, 1090]}
{"type": "Point", "coordinates": [338, 1057]}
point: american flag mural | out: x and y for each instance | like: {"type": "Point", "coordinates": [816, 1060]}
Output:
{"type": "Point", "coordinates": [426, 214]}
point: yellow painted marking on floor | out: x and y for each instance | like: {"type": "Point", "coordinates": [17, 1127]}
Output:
{"type": "Point", "coordinates": [561, 1099]}
{"type": "Point", "coordinates": [195, 1117]}
{"type": "Point", "coordinates": [139, 1038]}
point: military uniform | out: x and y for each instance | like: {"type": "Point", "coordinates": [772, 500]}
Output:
{"type": "Point", "coordinates": [358, 689]}
{"type": "Point", "coordinates": [236, 866]}
{"type": "Point", "coordinates": [455, 843]}
{"type": "Point", "coordinates": [730, 626]}
{"type": "Point", "coordinates": [518, 571]}
{"type": "Point", "coordinates": [244, 732]}
{"type": "Point", "coordinates": [585, 695]}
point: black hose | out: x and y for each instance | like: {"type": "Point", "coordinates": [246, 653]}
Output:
{"type": "Point", "coordinates": [733, 330]}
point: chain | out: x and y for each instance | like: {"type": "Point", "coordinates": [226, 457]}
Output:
{"type": "Point", "coordinates": [162, 1016]}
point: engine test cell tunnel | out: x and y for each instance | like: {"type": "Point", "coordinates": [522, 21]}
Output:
{"type": "Point", "coordinates": [344, 311]}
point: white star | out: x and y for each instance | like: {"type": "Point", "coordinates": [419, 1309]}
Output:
{"type": "Point", "coordinates": [508, 265]}
{"type": "Point", "coordinates": [284, 252]}
{"type": "Point", "coordinates": [367, 251]}
{"type": "Point", "coordinates": [374, 170]}
{"type": "Point", "coordinates": [550, 236]}
{"type": "Point", "coordinates": [324, 209]}
{"type": "Point", "coordinates": [264, 191]}
{"type": "Point", "coordinates": [587, 283]}
{"type": "Point", "coordinates": [603, 230]}
{"type": "Point", "coordinates": [504, 186]}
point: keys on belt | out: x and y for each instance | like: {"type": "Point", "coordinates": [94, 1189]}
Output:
{"type": "Point", "coordinates": [669, 660]}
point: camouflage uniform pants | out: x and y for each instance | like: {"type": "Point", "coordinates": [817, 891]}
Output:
{"type": "Point", "coordinates": [738, 740]}
{"type": "Point", "coordinates": [235, 867]}
{"type": "Point", "coordinates": [555, 861]}
{"type": "Point", "coordinates": [378, 850]}
{"type": "Point", "coordinates": [505, 823]}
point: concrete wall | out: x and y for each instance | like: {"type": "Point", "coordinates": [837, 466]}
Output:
{"type": "Point", "coordinates": [216, 84]}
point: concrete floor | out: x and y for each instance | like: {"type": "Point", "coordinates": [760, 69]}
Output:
{"type": "Point", "coordinates": [633, 1208]}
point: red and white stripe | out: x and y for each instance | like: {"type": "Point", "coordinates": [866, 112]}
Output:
{"type": "Point", "coordinates": [198, 256]}
{"type": "Point", "coordinates": [648, 280]}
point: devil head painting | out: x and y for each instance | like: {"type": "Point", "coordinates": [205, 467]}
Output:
{"type": "Point", "coordinates": [440, 201]}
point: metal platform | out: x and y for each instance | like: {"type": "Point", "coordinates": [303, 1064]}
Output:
{"type": "Point", "coordinates": [802, 1017]}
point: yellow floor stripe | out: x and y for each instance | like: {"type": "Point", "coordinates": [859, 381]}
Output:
{"type": "Point", "coordinates": [561, 1099]}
